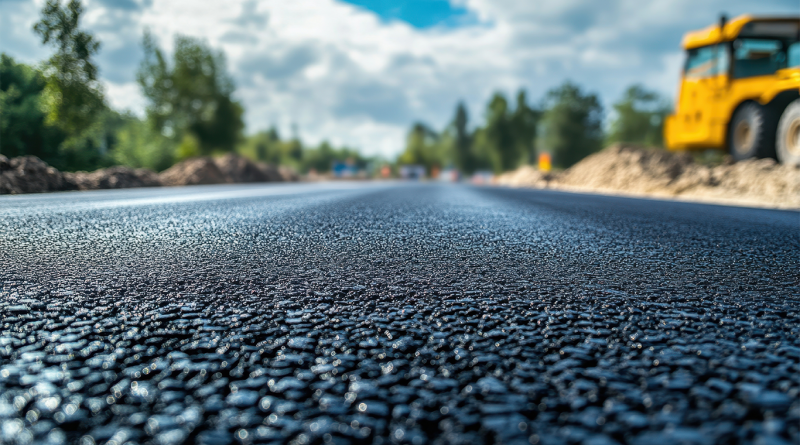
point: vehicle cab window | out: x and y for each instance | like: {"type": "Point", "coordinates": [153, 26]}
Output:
{"type": "Point", "coordinates": [757, 57]}
{"type": "Point", "coordinates": [707, 61]}
{"type": "Point", "coordinates": [793, 55]}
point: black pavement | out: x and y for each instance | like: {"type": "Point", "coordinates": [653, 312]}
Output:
{"type": "Point", "coordinates": [395, 313]}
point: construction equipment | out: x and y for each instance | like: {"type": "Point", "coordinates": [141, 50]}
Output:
{"type": "Point", "coordinates": [740, 90]}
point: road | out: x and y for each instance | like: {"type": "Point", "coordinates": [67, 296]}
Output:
{"type": "Point", "coordinates": [395, 313]}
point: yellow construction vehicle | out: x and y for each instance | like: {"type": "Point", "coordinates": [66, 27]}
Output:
{"type": "Point", "coordinates": [740, 90]}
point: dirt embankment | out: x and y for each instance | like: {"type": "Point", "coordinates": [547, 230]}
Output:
{"type": "Point", "coordinates": [113, 178]}
{"type": "Point", "coordinates": [650, 172]}
{"type": "Point", "coordinates": [29, 174]}
{"type": "Point", "coordinates": [229, 169]}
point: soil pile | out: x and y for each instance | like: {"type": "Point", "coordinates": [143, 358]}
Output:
{"type": "Point", "coordinates": [652, 172]}
{"type": "Point", "coordinates": [286, 173]}
{"type": "Point", "coordinates": [194, 171]}
{"type": "Point", "coordinates": [237, 169]}
{"type": "Point", "coordinates": [630, 169]}
{"type": "Point", "coordinates": [229, 169]}
{"type": "Point", "coordinates": [113, 178]}
{"type": "Point", "coordinates": [526, 176]}
{"type": "Point", "coordinates": [29, 174]}
{"type": "Point", "coordinates": [762, 181]}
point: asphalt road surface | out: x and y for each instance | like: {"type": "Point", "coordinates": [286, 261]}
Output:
{"type": "Point", "coordinates": [395, 313]}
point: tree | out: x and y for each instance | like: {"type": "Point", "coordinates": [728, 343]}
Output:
{"type": "Point", "coordinates": [499, 133]}
{"type": "Point", "coordinates": [190, 99]}
{"type": "Point", "coordinates": [93, 148]}
{"type": "Point", "coordinates": [320, 159]}
{"type": "Point", "coordinates": [264, 146]}
{"type": "Point", "coordinates": [22, 121]}
{"type": "Point", "coordinates": [462, 140]}
{"type": "Point", "coordinates": [523, 125]}
{"type": "Point", "coordinates": [639, 117]}
{"type": "Point", "coordinates": [139, 145]}
{"type": "Point", "coordinates": [422, 147]}
{"type": "Point", "coordinates": [508, 138]}
{"type": "Point", "coordinates": [323, 157]}
{"type": "Point", "coordinates": [571, 125]}
{"type": "Point", "coordinates": [72, 96]}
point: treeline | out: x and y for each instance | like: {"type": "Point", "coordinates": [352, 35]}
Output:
{"type": "Point", "coordinates": [567, 123]}
{"type": "Point", "coordinates": [57, 110]}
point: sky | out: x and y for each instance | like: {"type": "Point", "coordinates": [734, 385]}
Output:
{"type": "Point", "coordinates": [360, 72]}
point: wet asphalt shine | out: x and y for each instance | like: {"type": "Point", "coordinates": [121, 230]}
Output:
{"type": "Point", "coordinates": [395, 313]}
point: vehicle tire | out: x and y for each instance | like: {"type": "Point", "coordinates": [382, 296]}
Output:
{"type": "Point", "coordinates": [749, 134]}
{"type": "Point", "coordinates": [788, 135]}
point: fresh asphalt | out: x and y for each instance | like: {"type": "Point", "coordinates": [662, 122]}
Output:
{"type": "Point", "coordinates": [395, 313]}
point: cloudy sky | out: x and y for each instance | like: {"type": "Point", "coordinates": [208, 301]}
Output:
{"type": "Point", "coordinates": [360, 72]}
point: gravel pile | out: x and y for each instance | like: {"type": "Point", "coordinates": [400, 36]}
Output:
{"type": "Point", "coordinates": [231, 169]}
{"type": "Point", "coordinates": [526, 176]}
{"type": "Point", "coordinates": [237, 169]}
{"type": "Point", "coordinates": [29, 174]}
{"type": "Point", "coordinates": [195, 171]}
{"type": "Point", "coordinates": [660, 173]}
{"type": "Point", "coordinates": [113, 178]}
{"type": "Point", "coordinates": [412, 316]}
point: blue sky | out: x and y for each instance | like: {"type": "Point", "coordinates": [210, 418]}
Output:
{"type": "Point", "coordinates": [359, 73]}
{"type": "Point", "coordinates": [419, 13]}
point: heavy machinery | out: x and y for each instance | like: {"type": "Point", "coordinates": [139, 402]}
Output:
{"type": "Point", "coordinates": [740, 90]}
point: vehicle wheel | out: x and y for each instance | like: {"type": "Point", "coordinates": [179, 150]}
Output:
{"type": "Point", "coordinates": [749, 135]}
{"type": "Point", "coordinates": [788, 135]}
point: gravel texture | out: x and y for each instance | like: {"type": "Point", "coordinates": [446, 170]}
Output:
{"type": "Point", "coordinates": [403, 314]}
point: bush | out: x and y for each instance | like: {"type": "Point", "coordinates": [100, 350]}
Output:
{"type": "Point", "coordinates": [139, 146]}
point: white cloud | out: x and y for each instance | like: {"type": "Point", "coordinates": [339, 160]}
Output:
{"type": "Point", "coordinates": [125, 96]}
{"type": "Point", "coordinates": [341, 73]}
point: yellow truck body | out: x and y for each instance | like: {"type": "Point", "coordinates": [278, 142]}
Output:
{"type": "Point", "coordinates": [735, 64]}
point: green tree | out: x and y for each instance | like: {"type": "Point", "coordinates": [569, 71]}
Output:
{"type": "Point", "coordinates": [265, 146]}
{"type": "Point", "coordinates": [508, 137]}
{"type": "Point", "coordinates": [499, 134]}
{"type": "Point", "coordinates": [73, 96]}
{"type": "Point", "coordinates": [93, 148]}
{"type": "Point", "coordinates": [321, 158]}
{"type": "Point", "coordinates": [639, 117]}
{"type": "Point", "coordinates": [294, 148]}
{"type": "Point", "coordinates": [23, 130]}
{"type": "Point", "coordinates": [190, 99]}
{"type": "Point", "coordinates": [422, 147]}
{"type": "Point", "coordinates": [571, 125]}
{"type": "Point", "coordinates": [140, 146]}
{"type": "Point", "coordinates": [462, 141]}
{"type": "Point", "coordinates": [523, 125]}
{"type": "Point", "coordinates": [324, 156]}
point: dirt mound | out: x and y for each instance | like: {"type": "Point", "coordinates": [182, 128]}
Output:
{"type": "Point", "coordinates": [237, 169]}
{"type": "Point", "coordinates": [628, 168]}
{"type": "Point", "coordinates": [229, 169]}
{"type": "Point", "coordinates": [526, 176]}
{"type": "Point", "coordinates": [286, 173]}
{"type": "Point", "coordinates": [194, 171]}
{"type": "Point", "coordinates": [652, 172]}
{"type": "Point", "coordinates": [114, 178]}
{"type": "Point", "coordinates": [29, 174]}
